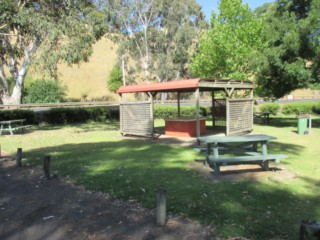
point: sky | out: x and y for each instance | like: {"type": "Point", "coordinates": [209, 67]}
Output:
{"type": "Point", "coordinates": [208, 5]}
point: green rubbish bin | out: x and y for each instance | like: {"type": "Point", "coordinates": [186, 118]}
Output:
{"type": "Point", "coordinates": [303, 124]}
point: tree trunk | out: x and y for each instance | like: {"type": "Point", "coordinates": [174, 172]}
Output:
{"type": "Point", "coordinates": [15, 97]}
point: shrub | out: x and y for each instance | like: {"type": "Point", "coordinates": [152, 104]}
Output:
{"type": "Point", "coordinates": [18, 114]}
{"type": "Point", "coordinates": [271, 108]}
{"type": "Point", "coordinates": [172, 111]}
{"type": "Point", "coordinates": [298, 108]}
{"type": "Point", "coordinates": [44, 91]}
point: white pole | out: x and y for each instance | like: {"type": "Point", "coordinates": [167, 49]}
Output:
{"type": "Point", "coordinates": [123, 72]}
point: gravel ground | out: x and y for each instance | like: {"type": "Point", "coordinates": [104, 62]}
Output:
{"type": "Point", "coordinates": [32, 207]}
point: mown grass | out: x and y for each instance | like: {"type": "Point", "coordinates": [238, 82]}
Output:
{"type": "Point", "coordinates": [96, 156]}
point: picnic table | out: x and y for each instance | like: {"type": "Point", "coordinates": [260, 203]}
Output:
{"type": "Point", "coordinates": [12, 126]}
{"type": "Point", "coordinates": [264, 116]}
{"type": "Point", "coordinates": [240, 150]}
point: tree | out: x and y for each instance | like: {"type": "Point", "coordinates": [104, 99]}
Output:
{"type": "Point", "coordinates": [157, 34]}
{"type": "Point", "coordinates": [234, 38]}
{"type": "Point", "coordinates": [115, 79]}
{"type": "Point", "coordinates": [291, 58]}
{"type": "Point", "coordinates": [42, 33]}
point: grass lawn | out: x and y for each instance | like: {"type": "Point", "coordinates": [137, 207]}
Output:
{"type": "Point", "coordinates": [96, 156]}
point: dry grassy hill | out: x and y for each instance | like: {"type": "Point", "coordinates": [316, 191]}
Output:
{"type": "Point", "coordinates": [90, 79]}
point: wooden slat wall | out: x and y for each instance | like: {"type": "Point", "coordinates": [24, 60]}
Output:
{"type": "Point", "coordinates": [135, 119]}
{"type": "Point", "coordinates": [240, 115]}
{"type": "Point", "coordinates": [219, 113]}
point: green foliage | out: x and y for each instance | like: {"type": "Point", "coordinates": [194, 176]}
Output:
{"type": "Point", "coordinates": [299, 107]}
{"type": "Point", "coordinates": [272, 108]}
{"type": "Point", "coordinates": [79, 115]}
{"type": "Point", "coordinates": [172, 112]}
{"type": "Point", "coordinates": [154, 36]}
{"type": "Point", "coordinates": [316, 109]}
{"type": "Point", "coordinates": [44, 91]}
{"type": "Point", "coordinates": [53, 31]}
{"type": "Point", "coordinates": [290, 60]}
{"type": "Point", "coordinates": [29, 115]}
{"type": "Point", "coordinates": [115, 79]}
{"type": "Point", "coordinates": [226, 49]}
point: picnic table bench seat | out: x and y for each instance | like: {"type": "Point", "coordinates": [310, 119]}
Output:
{"type": "Point", "coordinates": [216, 162]}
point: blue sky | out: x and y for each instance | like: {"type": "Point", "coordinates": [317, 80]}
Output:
{"type": "Point", "coordinates": [208, 5]}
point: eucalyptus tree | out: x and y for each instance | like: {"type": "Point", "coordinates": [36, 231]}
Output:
{"type": "Point", "coordinates": [156, 35]}
{"type": "Point", "coordinates": [291, 59]}
{"type": "Point", "coordinates": [235, 36]}
{"type": "Point", "coordinates": [42, 33]}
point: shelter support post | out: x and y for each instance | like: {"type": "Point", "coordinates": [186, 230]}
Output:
{"type": "Point", "coordinates": [197, 97]}
{"type": "Point", "coordinates": [151, 99]}
{"type": "Point", "coordinates": [227, 117]}
{"type": "Point", "coordinates": [212, 109]}
{"type": "Point", "coordinates": [179, 111]}
{"type": "Point", "coordinates": [120, 112]}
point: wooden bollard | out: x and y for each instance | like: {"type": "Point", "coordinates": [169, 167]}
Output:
{"type": "Point", "coordinates": [46, 166]}
{"type": "Point", "coordinates": [161, 206]}
{"type": "Point", "coordinates": [19, 157]}
{"type": "Point", "coordinates": [309, 228]}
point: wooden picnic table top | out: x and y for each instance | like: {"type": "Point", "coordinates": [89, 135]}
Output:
{"type": "Point", "coordinates": [235, 139]}
{"type": "Point", "coordinates": [12, 121]}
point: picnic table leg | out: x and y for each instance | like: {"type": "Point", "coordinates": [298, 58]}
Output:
{"type": "Point", "coordinates": [265, 152]}
{"type": "Point", "coordinates": [208, 154]}
{"type": "Point", "coordinates": [1, 129]}
{"type": "Point", "coordinates": [10, 129]}
{"type": "Point", "coordinates": [216, 166]}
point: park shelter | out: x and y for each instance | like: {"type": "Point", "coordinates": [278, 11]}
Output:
{"type": "Point", "coordinates": [235, 111]}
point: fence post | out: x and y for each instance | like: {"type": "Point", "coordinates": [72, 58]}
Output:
{"type": "Point", "coordinates": [19, 157]}
{"type": "Point", "coordinates": [161, 206]}
{"type": "Point", "coordinates": [46, 166]}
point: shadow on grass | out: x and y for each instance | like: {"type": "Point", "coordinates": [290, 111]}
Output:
{"type": "Point", "coordinates": [134, 169]}
{"type": "Point", "coordinates": [85, 127]}
{"type": "Point", "coordinates": [287, 122]}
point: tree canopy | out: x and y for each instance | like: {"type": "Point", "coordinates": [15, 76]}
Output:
{"type": "Point", "coordinates": [226, 49]}
{"type": "Point", "coordinates": [156, 35]}
{"type": "Point", "coordinates": [291, 57]}
{"type": "Point", "coordinates": [43, 33]}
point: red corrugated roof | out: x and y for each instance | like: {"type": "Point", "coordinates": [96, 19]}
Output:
{"type": "Point", "coordinates": [161, 87]}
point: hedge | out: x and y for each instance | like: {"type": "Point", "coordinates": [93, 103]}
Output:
{"type": "Point", "coordinates": [300, 108]}
{"type": "Point", "coordinates": [316, 108]}
{"type": "Point", "coordinates": [271, 108]}
{"type": "Point", "coordinates": [62, 115]}
{"type": "Point", "coordinates": [172, 111]}
{"type": "Point", "coordinates": [79, 115]}
{"type": "Point", "coordinates": [18, 114]}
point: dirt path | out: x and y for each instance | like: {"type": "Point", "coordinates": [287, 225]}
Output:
{"type": "Point", "coordinates": [32, 207]}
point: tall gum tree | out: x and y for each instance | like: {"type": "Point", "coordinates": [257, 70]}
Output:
{"type": "Point", "coordinates": [156, 35]}
{"type": "Point", "coordinates": [42, 33]}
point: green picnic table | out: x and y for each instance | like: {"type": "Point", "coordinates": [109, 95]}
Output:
{"type": "Point", "coordinates": [239, 150]}
{"type": "Point", "coordinates": [12, 126]}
